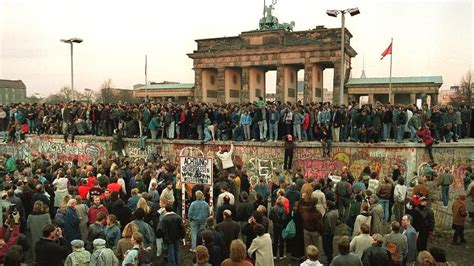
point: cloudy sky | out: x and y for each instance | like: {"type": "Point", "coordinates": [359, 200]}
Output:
{"type": "Point", "coordinates": [430, 37]}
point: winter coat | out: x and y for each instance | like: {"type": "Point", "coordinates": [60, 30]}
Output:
{"type": "Point", "coordinates": [51, 253]}
{"type": "Point", "coordinates": [78, 257]}
{"type": "Point", "coordinates": [262, 247]}
{"type": "Point", "coordinates": [34, 227]}
{"type": "Point", "coordinates": [459, 212]}
{"type": "Point", "coordinates": [71, 225]}
{"type": "Point", "coordinates": [376, 211]}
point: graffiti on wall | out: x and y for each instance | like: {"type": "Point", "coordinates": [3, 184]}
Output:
{"type": "Point", "coordinates": [55, 149]}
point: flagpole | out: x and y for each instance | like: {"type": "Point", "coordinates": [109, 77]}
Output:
{"type": "Point", "coordinates": [146, 78]}
{"type": "Point", "coordinates": [390, 79]}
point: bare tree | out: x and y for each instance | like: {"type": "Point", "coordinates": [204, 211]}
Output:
{"type": "Point", "coordinates": [466, 87]}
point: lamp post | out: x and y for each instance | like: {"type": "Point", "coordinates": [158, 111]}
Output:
{"type": "Point", "coordinates": [334, 13]}
{"type": "Point", "coordinates": [71, 41]}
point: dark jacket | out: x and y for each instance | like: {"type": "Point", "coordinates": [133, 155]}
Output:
{"type": "Point", "coordinates": [244, 211]}
{"type": "Point", "coordinates": [71, 225]}
{"type": "Point", "coordinates": [230, 229]}
{"type": "Point", "coordinates": [376, 255]}
{"type": "Point", "coordinates": [312, 217]}
{"type": "Point", "coordinates": [51, 253]}
{"type": "Point", "coordinates": [171, 227]}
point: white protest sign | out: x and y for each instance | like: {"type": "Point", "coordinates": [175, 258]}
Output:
{"type": "Point", "coordinates": [196, 170]}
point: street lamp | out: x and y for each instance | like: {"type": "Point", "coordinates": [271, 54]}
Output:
{"type": "Point", "coordinates": [71, 41]}
{"type": "Point", "coordinates": [335, 13]}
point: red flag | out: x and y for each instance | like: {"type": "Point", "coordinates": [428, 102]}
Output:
{"type": "Point", "coordinates": [387, 51]}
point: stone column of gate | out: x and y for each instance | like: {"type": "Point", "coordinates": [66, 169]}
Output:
{"type": "Point", "coordinates": [434, 99]}
{"type": "Point", "coordinates": [220, 85]}
{"type": "Point", "coordinates": [309, 90]}
{"type": "Point", "coordinates": [336, 83]}
{"type": "Point", "coordinates": [198, 95]}
{"type": "Point", "coordinates": [280, 83]}
{"type": "Point", "coordinates": [244, 93]}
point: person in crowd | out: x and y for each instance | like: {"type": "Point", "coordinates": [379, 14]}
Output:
{"type": "Point", "coordinates": [424, 258]}
{"type": "Point", "coordinates": [445, 179]}
{"type": "Point", "coordinates": [343, 194]}
{"type": "Point", "coordinates": [399, 196]}
{"type": "Point", "coordinates": [225, 206]}
{"type": "Point", "coordinates": [312, 255]}
{"type": "Point", "coordinates": [215, 252]}
{"type": "Point", "coordinates": [459, 219]}
{"type": "Point", "coordinates": [362, 241]}
{"type": "Point", "coordinates": [11, 227]}
{"type": "Point", "coordinates": [376, 254]}
{"type": "Point", "coordinates": [289, 150]}
{"type": "Point", "coordinates": [103, 256]}
{"type": "Point", "coordinates": [132, 257]}
{"type": "Point", "coordinates": [52, 249]}
{"type": "Point", "coordinates": [279, 218]}
{"type": "Point", "coordinates": [384, 192]}
{"type": "Point", "coordinates": [363, 218]}
{"type": "Point", "coordinates": [197, 214]}
{"type": "Point", "coordinates": [144, 228]}
{"type": "Point", "coordinates": [112, 232]}
{"type": "Point", "coordinates": [202, 256]}
{"type": "Point", "coordinates": [424, 223]}
{"type": "Point", "coordinates": [238, 255]}
{"type": "Point", "coordinates": [376, 212]}
{"type": "Point", "coordinates": [72, 222]}
{"type": "Point", "coordinates": [261, 247]}
{"type": "Point", "coordinates": [397, 243]}
{"type": "Point", "coordinates": [96, 230]}
{"type": "Point", "coordinates": [125, 243]}
{"type": "Point", "coordinates": [410, 234]}
{"type": "Point", "coordinates": [345, 257]}
{"type": "Point", "coordinates": [230, 230]}
{"type": "Point", "coordinates": [95, 209]}
{"type": "Point", "coordinates": [79, 256]}
{"type": "Point", "coordinates": [35, 223]}
{"type": "Point", "coordinates": [173, 231]}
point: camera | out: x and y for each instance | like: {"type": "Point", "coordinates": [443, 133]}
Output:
{"type": "Point", "coordinates": [12, 211]}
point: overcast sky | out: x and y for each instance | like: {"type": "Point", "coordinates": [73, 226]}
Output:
{"type": "Point", "coordinates": [430, 37]}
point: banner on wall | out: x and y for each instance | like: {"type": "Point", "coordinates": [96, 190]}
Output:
{"type": "Point", "coordinates": [196, 170]}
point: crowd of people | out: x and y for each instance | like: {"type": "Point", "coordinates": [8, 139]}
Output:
{"type": "Point", "coordinates": [123, 211]}
{"type": "Point", "coordinates": [260, 120]}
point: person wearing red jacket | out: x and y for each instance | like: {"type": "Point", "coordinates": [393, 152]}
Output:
{"type": "Point", "coordinates": [425, 134]}
{"type": "Point", "coordinates": [305, 126]}
{"type": "Point", "coordinates": [95, 208]}
{"type": "Point", "coordinates": [11, 224]}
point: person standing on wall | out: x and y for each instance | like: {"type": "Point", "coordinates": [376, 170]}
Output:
{"type": "Point", "coordinates": [289, 150]}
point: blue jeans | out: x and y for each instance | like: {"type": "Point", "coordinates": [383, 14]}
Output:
{"type": "Point", "coordinates": [173, 250]}
{"type": "Point", "coordinates": [445, 194]}
{"type": "Point", "coordinates": [207, 134]}
{"type": "Point", "coordinates": [385, 205]}
{"type": "Point", "coordinates": [297, 132]}
{"type": "Point", "coordinates": [196, 226]}
{"type": "Point", "coordinates": [386, 131]}
{"type": "Point", "coordinates": [413, 135]}
{"type": "Point", "coordinates": [400, 132]}
{"type": "Point", "coordinates": [273, 128]}
{"type": "Point", "coordinates": [262, 128]}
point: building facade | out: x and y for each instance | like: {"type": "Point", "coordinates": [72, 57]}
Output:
{"type": "Point", "coordinates": [177, 92]}
{"type": "Point", "coordinates": [12, 91]}
{"type": "Point", "coordinates": [405, 90]}
{"type": "Point", "coordinates": [232, 69]}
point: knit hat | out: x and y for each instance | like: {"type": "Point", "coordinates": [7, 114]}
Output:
{"type": "Point", "coordinates": [77, 243]}
{"type": "Point", "coordinates": [98, 242]}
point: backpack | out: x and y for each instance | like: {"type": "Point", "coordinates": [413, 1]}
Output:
{"type": "Point", "coordinates": [290, 230]}
{"type": "Point", "coordinates": [145, 256]}
{"type": "Point", "coordinates": [392, 248]}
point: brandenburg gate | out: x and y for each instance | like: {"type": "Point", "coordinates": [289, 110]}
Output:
{"type": "Point", "coordinates": [232, 69]}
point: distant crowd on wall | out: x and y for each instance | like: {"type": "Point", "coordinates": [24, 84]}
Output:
{"type": "Point", "coordinates": [256, 121]}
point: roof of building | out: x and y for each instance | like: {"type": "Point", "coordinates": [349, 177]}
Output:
{"type": "Point", "coordinates": [12, 84]}
{"type": "Point", "coordinates": [169, 86]}
{"type": "Point", "coordinates": [396, 80]}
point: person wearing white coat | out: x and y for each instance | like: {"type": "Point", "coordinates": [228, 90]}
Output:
{"type": "Point", "coordinates": [226, 158]}
{"type": "Point", "coordinates": [262, 247]}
